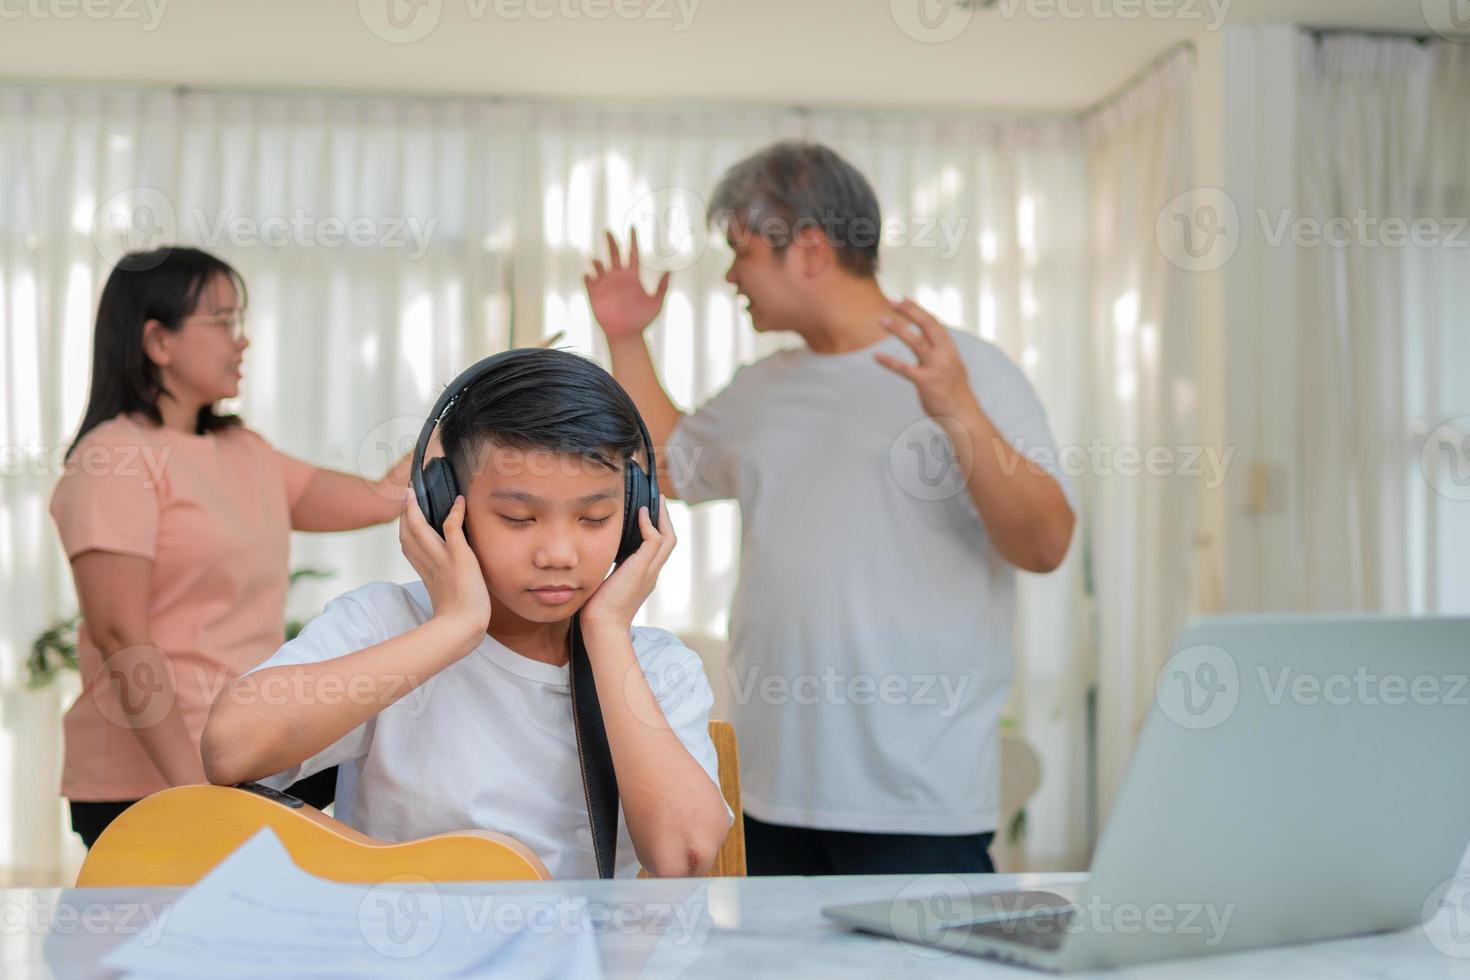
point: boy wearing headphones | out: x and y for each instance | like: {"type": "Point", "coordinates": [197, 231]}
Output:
{"type": "Point", "coordinates": [448, 702]}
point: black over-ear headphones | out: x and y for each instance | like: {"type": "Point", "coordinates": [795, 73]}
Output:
{"type": "Point", "coordinates": [436, 485]}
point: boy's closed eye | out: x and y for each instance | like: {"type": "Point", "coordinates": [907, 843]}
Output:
{"type": "Point", "coordinates": [591, 517]}
{"type": "Point", "coordinates": [524, 521]}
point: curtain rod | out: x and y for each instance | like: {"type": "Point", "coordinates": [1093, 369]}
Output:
{"type": "Point", "coordinates": [1320, 33]}
{"type": "Point", "coordinates": [1121, 90]}
{"type": "Point", "coordinates": [978, 113]}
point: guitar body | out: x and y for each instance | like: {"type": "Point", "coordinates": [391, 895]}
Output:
{"type": "Point", "coordinates": [178, 835]}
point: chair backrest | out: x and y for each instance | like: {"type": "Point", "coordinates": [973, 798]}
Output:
{"type": "Point", "coordinates": [730, 863]}
{"type": "Point", "coordinates": [1020, 777]}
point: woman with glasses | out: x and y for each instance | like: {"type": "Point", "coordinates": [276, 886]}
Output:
{"type": "Point", "coordinates": [176, 520]}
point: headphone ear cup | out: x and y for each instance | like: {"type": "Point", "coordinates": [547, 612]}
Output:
{"type": "Point", "coordinates": [441, 488]}
{"type": "Point", "coordinates": [635, 495]}
{"type": "Point", "coordinates": [655, 501]}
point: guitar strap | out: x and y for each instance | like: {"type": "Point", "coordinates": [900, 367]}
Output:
{"type": "Point", "coordinates": [599, 781]}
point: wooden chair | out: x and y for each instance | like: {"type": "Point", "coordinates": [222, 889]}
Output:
{"type": "Point", "coordinates": [1020, 777]}
{"type": "Point", "coordinates": [178, 835]}
{"type": "Point", "coordinates": [730, 863]}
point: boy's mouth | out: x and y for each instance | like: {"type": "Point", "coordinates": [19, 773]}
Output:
{"type": "Point", "coordinates": [554, 595]}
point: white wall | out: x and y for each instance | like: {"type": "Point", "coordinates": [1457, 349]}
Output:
{"type": "Point", "coordinates": [1023, 55]}
{"type": "Point", "coordinates": [1050, 55]}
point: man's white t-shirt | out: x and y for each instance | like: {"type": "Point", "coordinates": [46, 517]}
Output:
{"type": "Point", "coordinates": [487, 743]}
{"type": "Point", "coordinates": [870, 637]}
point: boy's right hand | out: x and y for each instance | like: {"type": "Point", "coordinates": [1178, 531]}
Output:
{"type": "Point", "coordinates": [616, 294]}
{"type": "Point", "coordinates": [447, 565]}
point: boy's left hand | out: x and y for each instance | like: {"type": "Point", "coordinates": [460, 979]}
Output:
{"type": "Point", "coordinates": [623, 592]}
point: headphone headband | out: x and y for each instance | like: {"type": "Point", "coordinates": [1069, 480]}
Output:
{"type": "Point", "coordinates": [450, 395]}
{"type": "Point", "coordinates": [446, 398]}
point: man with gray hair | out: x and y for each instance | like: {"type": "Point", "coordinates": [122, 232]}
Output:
{"type": "Point", "coordinates": [885, 510]}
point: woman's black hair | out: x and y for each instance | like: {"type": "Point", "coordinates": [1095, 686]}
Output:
{"type": "Point", "coordinates": [551, 400]}
{"type": "Point", "coordinates": [164, 285]}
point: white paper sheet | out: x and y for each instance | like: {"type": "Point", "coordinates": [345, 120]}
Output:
{"type": "Point", "coordinates": [257, 914]}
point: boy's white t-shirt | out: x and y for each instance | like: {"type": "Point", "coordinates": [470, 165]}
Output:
{"type": "Point", "coordinates": [871, 630]}
{"type": "Point", "coordinates": [487, 743]}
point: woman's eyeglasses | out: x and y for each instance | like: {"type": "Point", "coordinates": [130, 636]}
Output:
{"type": "Point", "coordinates": [233, 322]}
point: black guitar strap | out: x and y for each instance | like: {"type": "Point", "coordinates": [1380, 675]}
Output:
{"type": "Point", "coordinates": [599, 781]}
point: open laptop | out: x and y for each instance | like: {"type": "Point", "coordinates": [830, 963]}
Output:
{"type": "Point", "coordinates": [1298, 778]}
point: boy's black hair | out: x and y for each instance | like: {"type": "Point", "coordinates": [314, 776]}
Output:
{"type": "Point", "coordinates": [551, 400]}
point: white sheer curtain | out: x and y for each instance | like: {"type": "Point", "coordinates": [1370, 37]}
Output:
{"type": "Point", "coordinates": [1384, 502]}
{"type": "Point", "coordinates": [1142, 526]}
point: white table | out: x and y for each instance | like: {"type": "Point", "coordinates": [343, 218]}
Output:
{"type": "Point", "coordinates": [718, 927]}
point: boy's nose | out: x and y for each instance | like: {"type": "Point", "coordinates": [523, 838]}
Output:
{"type": "Point", "coordinates": [557, 552]}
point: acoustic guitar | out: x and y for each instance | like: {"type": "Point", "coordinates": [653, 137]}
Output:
{"type": "Point", "coordinates": [177, 836]}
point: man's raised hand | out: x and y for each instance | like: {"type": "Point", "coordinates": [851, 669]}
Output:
{"type": "Point", "coordinates": [939, 374]}
{"type": "Point", "coordinates": [619, 303]}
